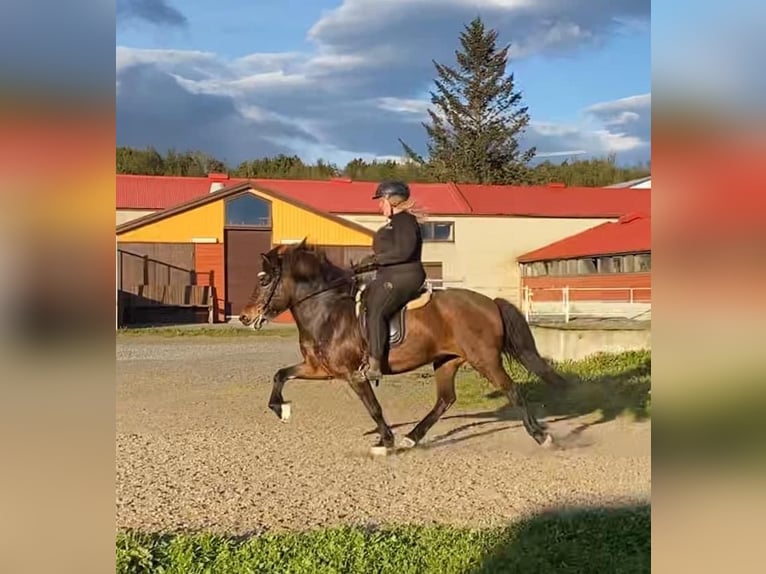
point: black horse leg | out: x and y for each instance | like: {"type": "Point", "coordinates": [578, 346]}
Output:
{"type": "Point", "coordinates": [299, 371]}
{"type": "Point", "coordinates": [497, 375]}
{"type": "Point", "coordinates": [445, 397]}
{"type": "Point", "coordinates": [363, 389]}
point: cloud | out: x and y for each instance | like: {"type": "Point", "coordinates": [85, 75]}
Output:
{"type": "Point", "coordinates": [157, 12]}
{"type": "Point", "coordinates": [620, 126]}
{"type": "Point", "coordinates": [155, 109]}
{"type": "Point", "coordinates": [360, 89]}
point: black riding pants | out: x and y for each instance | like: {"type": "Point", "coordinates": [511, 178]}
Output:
{"type": "Point", "coordinates": [387, 294]}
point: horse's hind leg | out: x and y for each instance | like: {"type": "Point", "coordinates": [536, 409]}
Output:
{"type": "Point", "coordinates": [445, 396]}
{"type": "Point", "coordinates": [495, 372]}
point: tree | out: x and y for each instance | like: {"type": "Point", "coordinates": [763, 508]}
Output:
{"type": "Point", "coordinates": [478, 116]}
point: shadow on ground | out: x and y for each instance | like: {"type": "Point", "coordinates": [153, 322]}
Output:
{"type": "Point", "coordinates": [614, 391]}
{"type": "Point", "coordinates": [598, 540]}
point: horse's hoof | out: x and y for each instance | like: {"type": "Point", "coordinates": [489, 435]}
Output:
{"type": "Point", "coordinates": [407, 442]}
{"type": "Point", "coordinates": [548, 442]}
{"type": "Point", "coordinates": [379, 450]}
{"type": "Point", "coordinates": [286, 412]}
{"type": "Point", "coordinates": [282, 410]}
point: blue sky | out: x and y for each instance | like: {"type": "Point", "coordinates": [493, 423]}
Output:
{"type": "Point", "coordinates": [344, 79]}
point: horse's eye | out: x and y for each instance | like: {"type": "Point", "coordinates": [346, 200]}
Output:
{"type": "Point", "coordinates": [263, 279]}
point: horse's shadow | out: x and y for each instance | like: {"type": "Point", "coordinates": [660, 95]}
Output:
{"type": "Point", "coordinates": [610, 395]}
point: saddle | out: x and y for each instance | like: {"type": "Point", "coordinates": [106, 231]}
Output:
{"type": "Point", "coordinates": [396, 324]}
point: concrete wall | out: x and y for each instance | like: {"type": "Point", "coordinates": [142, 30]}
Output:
{"type": "Point", "coordinates": [483, 255]}
{"type": "Point", "coordinates": [574, 344]}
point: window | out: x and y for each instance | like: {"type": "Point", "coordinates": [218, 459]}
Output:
{"type": "Point", "coordinates": [631, 263]}
{"type": "Point", "coordinates": [586, 266]}
{"type": "Point", "coordinates": [437, 231]}
{"type": "Point", "coordinates": [247, 210]}
{"type": "Point", "coordinates": [643, 262]}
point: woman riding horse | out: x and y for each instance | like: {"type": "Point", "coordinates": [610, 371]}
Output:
{"type": "Point", "coordinates": [397, 250]}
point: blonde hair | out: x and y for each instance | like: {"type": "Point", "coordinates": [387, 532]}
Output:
{"type": "Point", "coordinates": [408, 205]}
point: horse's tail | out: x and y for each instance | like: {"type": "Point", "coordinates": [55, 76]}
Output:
{"type": "Point", "coordinates": [519, 343]}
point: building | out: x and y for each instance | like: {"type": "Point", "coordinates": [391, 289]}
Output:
{"type": "Point", "coordinates": [473, 234]}
{"type": "Point", "coordinates": [199, 259]}
{"type": "Point", "coordinates": [602, 271]}
{"type": "Point", "coordinates": [140, 195]}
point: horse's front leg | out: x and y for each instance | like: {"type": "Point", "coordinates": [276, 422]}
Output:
{"type": "Point", "coordinates": [299, 371]}
{"type": "Point", "coordinates": [363, 389]}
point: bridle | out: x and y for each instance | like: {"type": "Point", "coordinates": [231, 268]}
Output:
{"type": "Point", "coordinates": [275, 283]}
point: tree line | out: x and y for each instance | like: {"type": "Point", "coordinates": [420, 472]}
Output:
{"type": "Point", "coordinates": [591, 172]}
{"type": "Point", "coordinates": [476, 120]}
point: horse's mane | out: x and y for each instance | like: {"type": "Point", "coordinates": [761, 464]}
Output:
{"type": "Point", "coordinates": [306, 263]}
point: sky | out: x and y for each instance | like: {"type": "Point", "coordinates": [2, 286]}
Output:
{"type": "Point", "coordinates": [337, 80]}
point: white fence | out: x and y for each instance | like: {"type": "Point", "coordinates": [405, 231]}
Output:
{"type": "Point", "coordinates": [627, 302]}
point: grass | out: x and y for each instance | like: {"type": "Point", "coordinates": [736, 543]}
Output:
{"type": "Point", "coordinates": [194, 331]}
{"type": "Point", "coordinates": [617, 541]}
{"type": "Point", "coordinates": [612, 383]}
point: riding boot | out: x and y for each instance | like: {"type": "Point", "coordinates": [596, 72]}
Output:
{"type": "Point", "coordinates": [373, 371]}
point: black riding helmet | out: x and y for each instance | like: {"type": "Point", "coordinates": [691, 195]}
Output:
{"type": "Point", "coordinates": [390, 188]}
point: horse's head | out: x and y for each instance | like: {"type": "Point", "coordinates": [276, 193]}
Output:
{"type": "Point", "coordinates": [288, 274]}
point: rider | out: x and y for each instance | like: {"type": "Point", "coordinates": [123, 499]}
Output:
{"type": "Point", "coordinates": [397, 248]}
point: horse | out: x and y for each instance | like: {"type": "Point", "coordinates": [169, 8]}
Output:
{"type": "Point", "coordinates": [444, 328]}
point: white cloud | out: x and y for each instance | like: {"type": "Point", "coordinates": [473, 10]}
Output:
{"type": "Point", "coordinates": [404, 105]}
{"type": "Point", "coordinates": [620, 126]}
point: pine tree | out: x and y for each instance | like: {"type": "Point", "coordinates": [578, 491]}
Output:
{"type": "Point", "coordinates": [478, 116]}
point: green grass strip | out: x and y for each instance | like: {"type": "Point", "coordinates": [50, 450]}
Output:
{"type": "Point", "coordinates": [614, 541]}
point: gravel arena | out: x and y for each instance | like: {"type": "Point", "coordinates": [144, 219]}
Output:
{"type": "Point", "coordinates": [198, 449]}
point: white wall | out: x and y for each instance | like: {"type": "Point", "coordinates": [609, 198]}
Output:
{"type": "Point", "coordinates": [483, 255]}
{"type": "Point", "coordinates": [124, 215]}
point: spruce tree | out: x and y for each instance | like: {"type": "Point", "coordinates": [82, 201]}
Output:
{"type": "Point", "coordinates": [477, 116]}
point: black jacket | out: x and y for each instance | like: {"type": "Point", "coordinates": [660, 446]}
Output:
{"type": "Point", "coordinates": [398, 244]}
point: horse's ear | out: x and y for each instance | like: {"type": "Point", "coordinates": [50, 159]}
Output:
{"type": "Point", "coordinates": [266, 260]}
{"type": "Point", "coordinates": [302, 244]}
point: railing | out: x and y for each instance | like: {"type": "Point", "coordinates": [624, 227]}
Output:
{"type": "Point", "coordinates": [573, 301]}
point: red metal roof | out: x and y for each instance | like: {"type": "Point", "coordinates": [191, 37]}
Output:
{"type": "Point", "coordinates": [344, 196]}
{"type": "Point", "coordinates": [630, 234]}
{"type": "Point", "coordinates": [161, 192]}
{"type": "Point", "coordinates": [554, 201]}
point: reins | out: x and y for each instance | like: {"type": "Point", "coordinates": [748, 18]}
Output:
{"type": "Point", "coordinates": [330, 287]}
{"type": "Point", "coordinates": [275, 283]}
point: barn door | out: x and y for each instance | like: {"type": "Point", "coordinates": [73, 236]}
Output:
{"type": "Point", "coordinates": [243, 249]}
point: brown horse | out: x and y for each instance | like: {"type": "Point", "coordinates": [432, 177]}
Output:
{"type": "Point", "coordinates": [445, 328]}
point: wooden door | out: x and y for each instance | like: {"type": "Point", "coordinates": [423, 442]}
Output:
{"type": "Point", "coordinates": [243, 248]}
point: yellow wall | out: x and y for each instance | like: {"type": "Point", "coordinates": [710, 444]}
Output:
{"type": "Point", "coordinates": [203, 221]}
{"type": "Point", "coordinates": [292, 223]}
{"type": "Point", "coordinates": [289, 223]}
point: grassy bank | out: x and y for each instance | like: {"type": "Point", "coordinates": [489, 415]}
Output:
{"type": "Point", "coordinates": [613, 384]}
{"type": "Point", "coordinates": [614, 541]}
